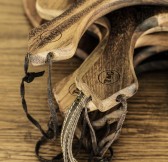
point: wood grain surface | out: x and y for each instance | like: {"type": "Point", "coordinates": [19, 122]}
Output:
{"type": "Point", "coordinates": [31, 12]}
{"type": "Point", "coordinates": [63, 33]}
{"type": "Point", "coordinates": [50, 9]}
{"type": "Point", "coordinates": [144, 137]}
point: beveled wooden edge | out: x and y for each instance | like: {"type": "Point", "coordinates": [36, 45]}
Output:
{"type": "Point", "coordinates": [50, 9]}
{"type": "Point", "coordinates": [148, 52]}
{"type": "Point", "coordinates": [160, 38]}
{"type": "Point", "coordinates": [31, 13]}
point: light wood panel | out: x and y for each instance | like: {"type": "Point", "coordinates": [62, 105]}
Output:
{"type": "Point", "coordinates": [50, 9]}
{"type": "Point", "coordinates": [31, 12]}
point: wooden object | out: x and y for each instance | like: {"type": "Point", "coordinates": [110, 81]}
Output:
{"type": "Point", "coordinates": [59, 40]}
{"type": "Point", "coordinates": [66, 91]}
{"type": "Point", "coordinates": [63, 33]}
{"type": "Point", "coordinates": [36, 20]}
{"type": "Point", "coordinates": [145, 127]}
{"type": "Point", "coordinates": [143, 41]}
{"type": "Point", "coordinates": [148, 52]}
{"type": "Point", "coordinates": [47, 6]}
{"type": "Point", "coordinates": [130, 25]}
{"type": "Point", "coordinates": [158, 39]}
{"type": "Point", "coordinates": [64, 96]}
{"type": "Point", "coordinates": [31, 12]}
{"type": "Point", "coordinates": [108, 74]}
{"type": "Point", "coordinates": [50, 9]}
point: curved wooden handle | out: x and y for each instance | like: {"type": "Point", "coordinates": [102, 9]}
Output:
{"type": "Point", "coordinates": [120, 50]}
{"type": "Point", "coordinates": [61, 35]}
{"type": "Point", "coordinates": [65, 91]}
{"type": "Point", "coordinates": [112, 73]}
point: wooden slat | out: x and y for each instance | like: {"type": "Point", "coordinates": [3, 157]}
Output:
{"type": "Point", "coordinates": [145, 134]}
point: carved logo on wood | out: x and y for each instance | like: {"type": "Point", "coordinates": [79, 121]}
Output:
{"type": "Point", "coordinates": [108, 77]}
{"type": "Point", "coordinates": [73, 90]}
{"type": "Point", "coordinates": [47, 37]}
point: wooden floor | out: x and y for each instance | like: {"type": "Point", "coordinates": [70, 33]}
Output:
{"type": "Point", "coordinates": [145, 134]}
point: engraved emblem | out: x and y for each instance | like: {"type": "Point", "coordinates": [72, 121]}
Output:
{"type": "Point", "coordinates": [47, 37]}
{"type": "Point", "coordinates": [108, 77]}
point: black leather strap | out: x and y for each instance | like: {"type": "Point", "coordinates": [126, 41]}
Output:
{"type": "Point", "coordinates": [28, 78]}
{"type": "Point", "coordinates": [52, 125]}
{"type": "Point", "coordinates": [101, 159]}
{"type": "Point", "coordinates": [43, 141]}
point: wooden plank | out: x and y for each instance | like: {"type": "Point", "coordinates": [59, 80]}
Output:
{"type": "Point", "coordinates": [145, 134]}
{"type": "Point", "coordinates": [31, 12]}
{"type": "Point", "coordinates": [51, 9]}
